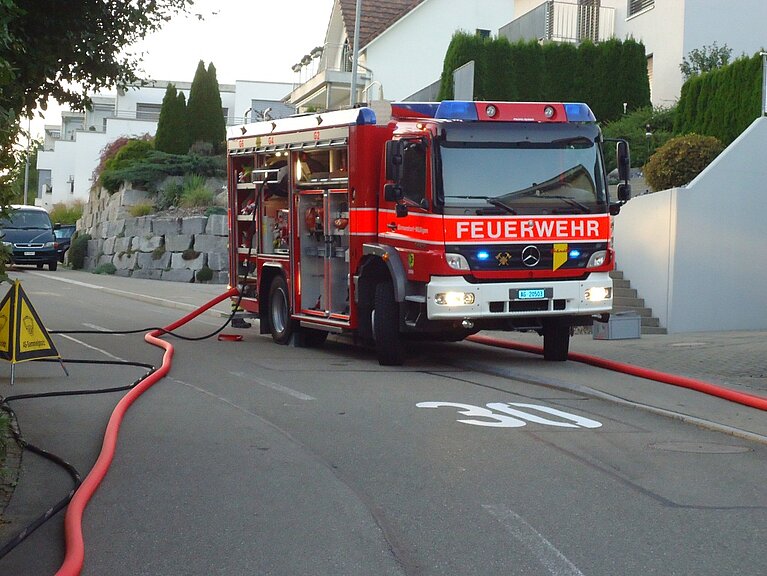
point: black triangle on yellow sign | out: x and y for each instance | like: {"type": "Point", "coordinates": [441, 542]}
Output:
{"type": "Point", "coordinates": [22, 334]}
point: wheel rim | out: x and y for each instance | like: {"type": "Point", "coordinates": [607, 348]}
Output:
{"type": "Point", "coordinates": [279, 312]}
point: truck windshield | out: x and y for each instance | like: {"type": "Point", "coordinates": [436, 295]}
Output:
{"type": "Point", "coordinates": [563, 176]}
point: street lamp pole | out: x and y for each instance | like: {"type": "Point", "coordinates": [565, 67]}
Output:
{"type": "Point", "coordinates": [355, 55]}
{"type": "Point", "coordinates": [26, 161]}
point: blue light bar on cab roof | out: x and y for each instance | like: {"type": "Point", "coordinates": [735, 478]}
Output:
{"type": "Point", "coordinates": [579, 112]}
{"type": "Point", "coordinates": [414, 109]}
{"type": "Point", "coordinates": [457, 110]}
{"type": "Point", "coordinates": [366, 116]}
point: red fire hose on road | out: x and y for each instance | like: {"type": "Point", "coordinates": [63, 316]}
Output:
{"type": "Point", "coordinates": [751, 400]}
{"type": "Point", "coordinates": [75, 553]}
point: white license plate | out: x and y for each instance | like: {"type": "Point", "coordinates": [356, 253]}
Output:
{"type": "Point", "coordinates": [29, 253]}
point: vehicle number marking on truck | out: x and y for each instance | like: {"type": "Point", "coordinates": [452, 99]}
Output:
{"type": "Point", "coordinates": [511, 417]}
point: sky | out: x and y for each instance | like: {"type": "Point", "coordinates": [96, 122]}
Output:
{"type": "Point", "coordinates": [245, 40]}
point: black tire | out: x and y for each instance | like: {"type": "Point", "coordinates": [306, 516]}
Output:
{"type": "Point", "coordinates": [52, 265]}
{"type": "Point", "coordinates": [556, 342]}
{"type": "Point", "coordinates": [388, 341]}
{"type": "Point", "coordinates": [280, 323]}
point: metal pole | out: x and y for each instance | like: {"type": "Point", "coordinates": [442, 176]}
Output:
{"type": "Point", "coordinates": [355, 55]}
{"type": "Point", "coordinates": [26, 162]}
{"type": "Point", "coordinates": [764, 83]}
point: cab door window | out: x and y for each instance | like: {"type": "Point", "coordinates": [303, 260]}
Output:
{"type": "Point", "coordinates": [414, 171]}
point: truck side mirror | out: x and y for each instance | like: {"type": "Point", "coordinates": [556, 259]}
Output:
{"type": "Point", "coordinates": [624, 192]}
{"type": "Point", "coordinates": [623, 155]}
{"type": "Point", "coordinates": [393, 192]}
{"type": "Point", "coordinates": [394, 153]}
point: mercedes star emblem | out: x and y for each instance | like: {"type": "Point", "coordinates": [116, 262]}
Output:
{"type": "Point", "coordinates": [531, 256]}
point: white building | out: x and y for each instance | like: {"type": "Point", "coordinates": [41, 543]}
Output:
{"type": "Point", "coordinates": [669, 29]}
{"type": "Point", "coordinates": [71, 151]}
{"type": "Point", "coordinates": [403, 42]}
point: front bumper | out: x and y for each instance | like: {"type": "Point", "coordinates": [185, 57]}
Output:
{"type": "Point", "coordinates": [34, 255]}
{"type": "Point", "coordinates": [501, 300]}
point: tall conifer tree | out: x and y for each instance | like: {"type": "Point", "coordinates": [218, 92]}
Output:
{"type": "Point", "coordinates": [172, 132]}
{"type": "Point", "coordinates": [204, 111]}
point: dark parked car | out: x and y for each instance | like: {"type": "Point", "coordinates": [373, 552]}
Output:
{"type": "Point", "coordinates": [27, 233]}
{"type": "Point", "coordinates": [63, 235]}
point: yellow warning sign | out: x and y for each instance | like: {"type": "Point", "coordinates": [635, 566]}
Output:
{"type": "Point", "coordinates": [22, 335]}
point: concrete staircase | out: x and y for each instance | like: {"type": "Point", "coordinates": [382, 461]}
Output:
{"type": "Point", "coordinates": [625, 299]}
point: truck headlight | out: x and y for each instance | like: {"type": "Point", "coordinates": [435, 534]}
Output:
{"type": "Point", "coordinates": [457, 261]}
{"type": "Point", "coordinates": [8, 244]}
{"type": "Point", "coordinates": [50, 244]}
{"type": "Point", "coordinates": [598, 294]}
{"type": "Point", "coordinates": [454, 298]}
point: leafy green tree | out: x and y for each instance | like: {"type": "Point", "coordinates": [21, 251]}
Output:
{"type": "Point", "coordinates": [65, 51]}
{"type": "Point", "coordinates": [172, 128]}
{"type": "Point", "coordinates": [705, 59]}
{"type": "Point", "coordinates": [204, 110]}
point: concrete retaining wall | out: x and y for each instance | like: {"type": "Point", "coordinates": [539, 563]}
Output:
{"type": "Point", "coordinates": [155, 247]}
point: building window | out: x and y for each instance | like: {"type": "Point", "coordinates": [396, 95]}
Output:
{"type": "Point", "coordinates": [482, 33]}
{"type": "Point", "coordinates": [148, 111]}
{"type": "Point", "coordinates": [636, 6]}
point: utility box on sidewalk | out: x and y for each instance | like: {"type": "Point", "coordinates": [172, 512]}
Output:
{"type": "Point", "coordinates": [620, 326]}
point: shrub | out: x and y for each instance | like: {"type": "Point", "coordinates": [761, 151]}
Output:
{"type": "Point", "coordinates": [215, 210]}
{"type": "Point", "coordinates": [158, 252]}
{"type": "Point", "coordinates": [132, 152]}
{"type": "Point", "coordinates": [67, 213]}
{"type": "Point", "coordinates": [141, 209]}
{"type": "Point", "coordinates": [106, 268]}
{"type": "Point", "coordinates": [680, 160]}
{"type": "Point", "coordinates": [204, 274]}
{"type": "Point", "coordinates": [633, 127]}
{"type": "Point", "coordinates": [195, 193]}
{"type": "Point", "coordinates": [169, 196]}
{"type": "Point", "coordinates": [78, 250]}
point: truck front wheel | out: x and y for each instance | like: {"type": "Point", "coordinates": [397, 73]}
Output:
{"type": "Point", "coordinates": [388, 342]}
{"type": "Point", "coordinates": [280, 323]}
{"type": "Point", "coordinates": [556, 341]}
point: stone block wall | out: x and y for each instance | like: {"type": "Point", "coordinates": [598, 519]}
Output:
{"type": "Point", "coordinates": [170, 248]}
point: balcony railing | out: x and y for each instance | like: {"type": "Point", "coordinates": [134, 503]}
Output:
{"type": "Point", "coordinates": [563, 22]}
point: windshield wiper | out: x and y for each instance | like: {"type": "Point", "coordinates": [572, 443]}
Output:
{"type": "Point", "coordinates": [582, 207]}
{"type": "Point", "coordinates": [500, 204]}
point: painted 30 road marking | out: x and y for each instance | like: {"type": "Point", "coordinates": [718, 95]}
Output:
{"type": "Point", "coordinates": [508, 415]}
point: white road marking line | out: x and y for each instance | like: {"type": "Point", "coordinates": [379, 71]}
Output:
{"type": "Point", "coordinates": [219, 398]}
{"type": "Point", "coordinates": [99, 328]}
{"type": "Point", "coordinates": [274, 386]}
{"type": "Point", "coordinates": [546, 553]}
{"type": "Point", "coordinates": [104, 352]}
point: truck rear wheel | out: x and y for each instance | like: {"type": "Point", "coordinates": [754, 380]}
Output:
{"type": "Point", "coordinates": [389, 348]}
{"type": "Point", "coordinates": [280, 323]}
{"type": "Point", "coordinates": [556, 341]}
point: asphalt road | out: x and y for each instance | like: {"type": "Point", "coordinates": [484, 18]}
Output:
{"type": "Point", "coordinates": [258, 459]}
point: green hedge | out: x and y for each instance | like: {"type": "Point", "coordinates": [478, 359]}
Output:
{"type": "Point", "coordinates": [721, 103]}
{"type": "Point", "coordinates": [604, 75]}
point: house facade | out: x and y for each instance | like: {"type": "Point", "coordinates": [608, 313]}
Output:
{"type": "Point", "coordinates": [71, 150]}
{"type": "Point", "coordinates": [403, 42]}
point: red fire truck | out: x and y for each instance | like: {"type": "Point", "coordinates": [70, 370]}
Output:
{"type": "Point", "coordinates": [394, 222]}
